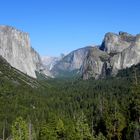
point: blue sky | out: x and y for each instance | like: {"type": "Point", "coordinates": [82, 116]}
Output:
{"type": "Point", "coordinates": [60, 26]}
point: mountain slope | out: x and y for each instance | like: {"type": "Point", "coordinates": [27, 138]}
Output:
{"type": "Point", "coordinates": [9, 74]}
{"type": "Point", "coordinates": [70, 64]}
{"type": "Point", "coordinates": [123, 51]}
{"type": "Point", "coordinates": [20, 95]}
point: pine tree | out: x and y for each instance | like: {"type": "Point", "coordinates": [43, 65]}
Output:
{"type": "Point", "coordinates": [20, 130]}
{"type": "Point", "coordinates": [82, 129]}
{"type": "Point", "coordinates": [60, 130]}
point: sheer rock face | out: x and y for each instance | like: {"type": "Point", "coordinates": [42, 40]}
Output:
{"type": "Point", "coordinates": [126, 58]}
{"type": "Point", "coordinates": [15, 48]}
{"type": "Point", "coordinates": [122, 51]}
{"type": "Point", "coordinates": [94, 64]}
{"type": "Point", "coordinates": [115, 43]}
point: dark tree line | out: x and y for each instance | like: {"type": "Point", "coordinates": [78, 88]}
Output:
{"type": "Point", "coordinates": [72, 109]}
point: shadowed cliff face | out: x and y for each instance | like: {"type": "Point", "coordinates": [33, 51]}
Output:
{"type": "Point", "coordinates": [15, 48]}
{"type": "Point", "coordinates": [94, 63]}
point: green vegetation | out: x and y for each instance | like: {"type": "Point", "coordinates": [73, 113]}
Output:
{"type": "Point", "coordinates": [69, 109]}
{"type": "Point", "coordinates": [67, 74]}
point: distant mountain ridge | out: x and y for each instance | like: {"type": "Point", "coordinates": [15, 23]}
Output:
{"type": "Point", "coordinates": [71, 63]}
{"type": "Point", "coordinates": [116, 52]}
{"type": "Point", "coordinates": [49, 61]}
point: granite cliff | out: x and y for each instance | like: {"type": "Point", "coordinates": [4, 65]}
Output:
{"type": "Point", "coordinates": [94, 64]}
{"type": "Point", "coordinates": [116, 52]}
{"type": "Point", "coordinates": [122, 51]}
{"type": "Point", "coordinates": [15, 47]}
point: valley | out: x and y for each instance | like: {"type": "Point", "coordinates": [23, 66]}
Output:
{"type": "Point", "coordinates": [70, 109]}
{"type": "Point", "coordinates": [92, 93]}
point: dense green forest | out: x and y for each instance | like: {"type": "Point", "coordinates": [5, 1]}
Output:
{"type": "Point", "coordinates": [69, 109]}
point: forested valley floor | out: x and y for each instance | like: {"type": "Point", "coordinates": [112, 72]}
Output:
{"type": "Point", "coordinates": [70, 109]}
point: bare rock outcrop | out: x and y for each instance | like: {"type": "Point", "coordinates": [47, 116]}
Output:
{"type": "Point", "coordinates": [15, 47]}
{"type": "Point", "coordinates": [123, 51]}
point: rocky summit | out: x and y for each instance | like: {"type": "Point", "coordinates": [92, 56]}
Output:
{"type": "Point", "coordinates": [119, 51]}
{"type": "Point", "coordinates": [15, 47]}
